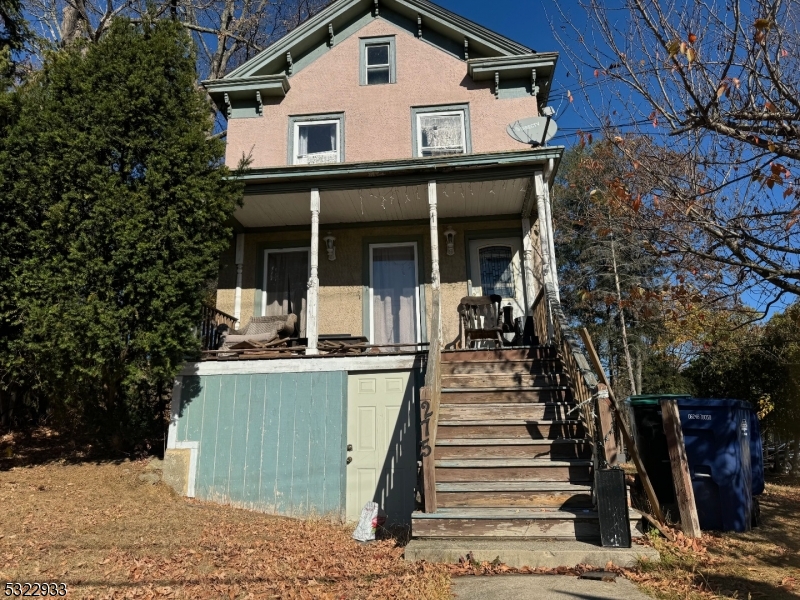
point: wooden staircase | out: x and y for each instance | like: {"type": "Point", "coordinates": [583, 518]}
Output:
{"type": "Point", "coordinates": [512, 458]}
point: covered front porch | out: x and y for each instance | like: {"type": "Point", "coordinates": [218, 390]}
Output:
{"type": "Point", "coordinates": [365, 254]}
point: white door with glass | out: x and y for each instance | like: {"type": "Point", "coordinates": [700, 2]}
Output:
{"type": "Point", "coordinates": [285, 286]}
{"type": "Point", "coordinates": [495, 267]}
{"type": "Point", "coordinates": [381, 444]}
{"type": "Point", "coordinates": [394, 294]}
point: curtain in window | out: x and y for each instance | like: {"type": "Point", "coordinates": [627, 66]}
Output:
{"type": "Point", "coordinates": [287, 284]}
{"type": "Point", "coordinates": [317, 139]}
{"type": "Point", "coordinates": [497, 274]}
{"type": "Point", "coordinates": [394, 304]}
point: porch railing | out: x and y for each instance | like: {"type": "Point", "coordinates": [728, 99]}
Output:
{"type": "Point", "coordinates": [430, 399]}
{"type": "Point", "coordinates": [208, 330]}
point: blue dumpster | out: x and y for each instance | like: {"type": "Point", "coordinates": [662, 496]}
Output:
{"type": "Point", "coordinates": [720, 437]}
{"type": "Point", "coordinates": [717, 435]}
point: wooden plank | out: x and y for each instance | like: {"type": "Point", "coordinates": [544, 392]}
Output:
{"type": "Point", "coordinates": [270, 447]}
{"type": "Point", "coordinates": [513, 396]}
{"type": "Point", "coordinates": [514, 462]}
{"type": "Point", "coordinates": [681, 478]}
{"type": "Point", "coordinates": [427, 443]}
{"type": "Point", "coordinates": [255, 440]}
{"type": "Point", "coordinates": [563, 449]}
{"type": "Point", "coordinates": [512, 486]}
{"type": "Point", "coordinates": [317, 424]}
{"type": "Point", "coordinates": [479, 412]}
{"type": "Point", "coordinates": [575, 474]}
{"type": "Point", "coordinates": [509, 381]}
{"type": "Point", "coordinates": [238, 446]}
{"type": "Point", "coordinates": [528, 499]}
{"type": "Point", "coordinates": [222, 459]}
{"type": "Point", "coordinates": [335, 455]}
{"type": "Point", "coordinates": [286, 439]}
{"type": "Point", "coordinates": [623, 426]}
{"type": "Point", "coordinates": [512, 429]}
{"type": "Point", "coordinates": [499, 355]}
{"type": "Point", "coordinates": [606, 418]}
{"type": "Point", "coordinates": [521, 366]}
{"type": "Point", "coordinates": [301, 458]}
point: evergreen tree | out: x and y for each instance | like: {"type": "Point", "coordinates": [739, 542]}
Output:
{"type": "Point", "coordinates": [114, 199]}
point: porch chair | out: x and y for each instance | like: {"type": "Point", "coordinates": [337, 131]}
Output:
{"type": "Point", "coordinates": [260, 332]}
{"type": "Point", "coordinates": [480, 319]}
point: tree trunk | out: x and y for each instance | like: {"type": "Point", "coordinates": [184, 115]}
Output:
{"type": "Point", "coordinates": [638, 351]}
{"type": "Point", "coordinates": [794, 462]}
{"type": "Point", "coordinates": [622, 318]}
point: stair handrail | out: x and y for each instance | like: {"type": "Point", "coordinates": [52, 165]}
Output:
{"type": "Point", "coordinates": [553, 329]}
{"type": "Point", "coordinates": [429, 402]}
{"type": "Point", "coordinates": [208, 329]}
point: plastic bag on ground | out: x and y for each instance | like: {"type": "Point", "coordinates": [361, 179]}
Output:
{"type": "Point", "coordinates": [371, 518]}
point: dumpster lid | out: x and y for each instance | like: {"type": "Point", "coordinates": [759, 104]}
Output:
{"type": "Point", "coordinates": [651, 399]}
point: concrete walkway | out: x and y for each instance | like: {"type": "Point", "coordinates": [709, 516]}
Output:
{"type": "Point", "coordinates": [543, 587]}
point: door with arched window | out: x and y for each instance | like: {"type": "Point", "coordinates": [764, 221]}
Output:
{"type": "Point", "coordinates": [496, 268]}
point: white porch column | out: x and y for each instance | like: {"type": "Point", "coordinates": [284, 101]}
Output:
{"type": "Point", "coordinates": [546, 234]}
{"type": "Point", "coordinates": [237, 298]}
{"type": "Point", "coordinates": [527, 265]}
{"type": "Point", "coordinates": [435, 278]}
{"type": "Point", "coordinates": [312, 331]}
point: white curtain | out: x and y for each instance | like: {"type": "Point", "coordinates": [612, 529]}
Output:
{"type": "Point", "coordinates": [287, 284]}
{"type": "Point", "coordinates": [394, 304]}
{"type": "Point", "coordinates": [442, 132]}
{"type": "Point", "coordinates": [303, 141]}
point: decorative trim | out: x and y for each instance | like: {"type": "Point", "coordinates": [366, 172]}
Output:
{"type": "Point", "coordinates": [332, 40]}
{"type": "Point", "coordinates": [497, 85]}
{"type": "Point", "coordinates": [311, 118]}
{"type": "Point", "coordinates": [537, 68]}
{"type": "Point", "coordinates": [259, 104]}
{"type": "Point", "coordinates": [224, 92]}
{"type": "Point", "coordinates": [419, 26]}
{"type": "Point", "coordinates": [377, 9]}
{"type": "Point", "coordinates": [421, 110]}
{"type": "Point", "coordinates": [228, 105]}
{"type": "Point", "coordinates": [466, 49]}
{"type": "Point", "coordinates": [534, 87]}
{"type": "Point", "coordinates": [365, 43]}
{"type": "Point", "coordinates": [307, 364]}
{"type": "Point", "coordinates": [290, 63]}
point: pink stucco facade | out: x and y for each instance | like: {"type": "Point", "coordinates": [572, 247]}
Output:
{"type": "Point", "coordinates": [378, 118]}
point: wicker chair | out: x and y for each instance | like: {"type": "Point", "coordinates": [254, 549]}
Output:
{"type": "Point", "coordinates": [261, 330]}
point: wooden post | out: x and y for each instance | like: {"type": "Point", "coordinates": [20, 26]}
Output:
{"type": "Point", "coordinates": [435, 277]}
{"type": "Point", "coordinates": [623, 427]}
{"type": "Point", "coordinates": [312, 331]}
{"type": "Point", "coordinates": [606, 417]}
{"type": "Point", "coordinates": [682, 479]}
{"type": "Point", "coordinates": [427, 419]}
{"type": "Point", "coordinates": [527, 265]}
{"type": "Point", "coordinates": [237, 298]}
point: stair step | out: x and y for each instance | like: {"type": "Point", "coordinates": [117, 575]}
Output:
{"type": "Point", "coordinates": [511, 428]}
{"type": "Point", "coordinates": [479, 412]}
{"type": "Point", "coordinates": [574, 470]}
{"type": "Point", "coordinates": [516, 494]}
{"type": "Point", "coordinates": [506, 522]}
{"type": "Point", "coordinates": [528, 395]}
{"type": "Point", "coordinates": [447, 448]}
{"type": "Point", "coordinates": [504, 367]}
{"type": "Point", "coordinates": [579, 524]}
{"type": "Point", "coordinates": [504, 381]}
{"type": "Point", "coordinates": [533, 353]}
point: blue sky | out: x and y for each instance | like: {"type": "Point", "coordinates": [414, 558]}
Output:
{"type": "Point", "coordinates": [528, 22]}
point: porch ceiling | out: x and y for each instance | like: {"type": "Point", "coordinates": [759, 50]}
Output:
{"type": "Point", "coordinates": [395, 203]}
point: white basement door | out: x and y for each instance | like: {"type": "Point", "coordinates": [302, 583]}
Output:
{"type": "Point", "coordinates": [382, 433]}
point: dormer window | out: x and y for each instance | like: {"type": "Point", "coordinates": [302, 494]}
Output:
{"type": "Point", "coordinates": [441, 131]}
{"type": "Point", "coordinates": [378, 61]}
{"type": "Point", "coordinates": [316, 139]}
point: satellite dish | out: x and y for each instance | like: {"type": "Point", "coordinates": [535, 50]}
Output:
{"type": "Point", "coordinates": [535, 130]}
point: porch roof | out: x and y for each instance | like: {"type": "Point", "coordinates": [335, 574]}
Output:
{"type": "Point", "coordinates": [472, 185]}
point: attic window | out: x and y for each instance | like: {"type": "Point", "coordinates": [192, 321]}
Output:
{"type": "Point", "coordinates": [378, 61]}
{"type": "Point", "coordinates": [442, 131]}
{"type": "Point", "coordinates": [316, 140]}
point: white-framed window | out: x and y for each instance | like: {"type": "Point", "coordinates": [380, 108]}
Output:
{"type": "Point", "coordinates": [317, 142]}
{"type": "Point", "coordinates": [441, 132]}
{"type": "Point", "coordinates": [378, 60]}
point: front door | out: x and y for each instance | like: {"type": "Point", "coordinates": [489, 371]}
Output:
{"type": "Point", "coordinates": [381, 438]}
{"type": "Point", "coordinates": [285, 287]}
{"type": "Point", "coordinates": [394, 294]}
{"type": "Point", "coordinates": [495, 267]}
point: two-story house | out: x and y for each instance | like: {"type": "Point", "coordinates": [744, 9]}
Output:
{"type": "Point", "coordinates": [384, 187]}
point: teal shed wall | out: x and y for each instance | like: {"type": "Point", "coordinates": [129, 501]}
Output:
{"type": "Point", "coordinates": [268, 442]}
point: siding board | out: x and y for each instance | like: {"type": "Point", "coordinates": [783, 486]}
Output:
{"type": "Point", "coordinates": [270, 442]}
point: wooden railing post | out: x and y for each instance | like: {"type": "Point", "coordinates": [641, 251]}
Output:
{"type": "Point", "coordinates": [428, 419]}
{"type": "Point", "coordinates": [681, 478]}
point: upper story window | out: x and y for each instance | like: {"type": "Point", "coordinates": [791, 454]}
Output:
{"type": "Point", "coordinates": [316, 139]}
{"type": "Point", "coordinates": [378, 61]}
{"type": "Point", "coordinates": [440, 131]}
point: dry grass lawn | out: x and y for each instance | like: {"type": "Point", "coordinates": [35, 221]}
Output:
{"type": "Point", "coordinates": [107, 534]}
{"type": "Point", "coordinates": [764, 563]}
